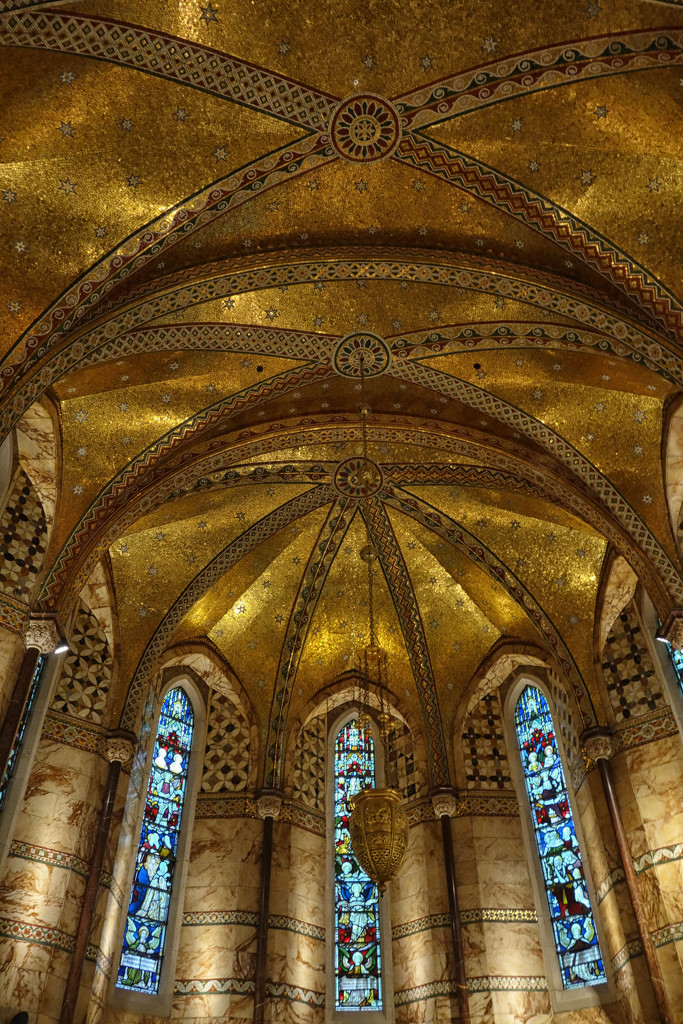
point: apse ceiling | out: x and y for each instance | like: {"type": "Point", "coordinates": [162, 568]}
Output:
{"type": "Point", "coordinates": [209, 210]}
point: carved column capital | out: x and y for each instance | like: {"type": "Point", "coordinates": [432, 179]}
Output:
{"type": "Point", "coordinates": [597, 743]}
{"type": "Point", "coordinates": [672, 629]}
{"type": "Point", "coordinates": [268, 805]}
{"type": "Point", "coordinates": [44, 632]}
{"type": "Point", "coordinates": [444, 802]}
{"type": "Point", "coordinates": [119, 746]}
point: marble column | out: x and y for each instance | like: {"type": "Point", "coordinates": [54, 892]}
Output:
{"type": "Point", "coordinates": [119, 748]}
{"type": "Point", "coordinates": [445, 806]}
{"type": "Point", "coordinates": [598, 746]}
{"type": "Point", "coordinates": [268, 807]}
{"type": "Point", "coordinates": [43, 635]}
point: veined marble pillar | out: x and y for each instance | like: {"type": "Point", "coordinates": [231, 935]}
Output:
{"type": "Point", "coordinates": [444, 808]}
{"type": "Point", "coordinates": [598, 746]}
{"type": "Point", "coordinates": [119, 748]}
{"type": "Point", "coordinates": [268, 807]}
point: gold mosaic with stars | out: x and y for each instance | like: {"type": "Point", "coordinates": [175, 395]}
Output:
{"type": "Point", "coordinates": [188, 231]}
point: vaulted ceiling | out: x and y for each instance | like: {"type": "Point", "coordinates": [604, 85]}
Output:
{"type": "Point", "coordinates": [208, 211]}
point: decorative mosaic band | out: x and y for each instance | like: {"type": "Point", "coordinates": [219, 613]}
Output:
{"type": "Point", "coordinates": [646, 729]}
{"type": "Point", "coordinates": [486, 983]}
{"type": "Point", "coordinates": [13, 614]}
{"type": "Point", "coordinates": [107, 881]}
{"type": "Point", "coordinates": [291, 924]}
{"type": "Point", "coordinates": [245, 987]}
{"type": "Point", "coordinates": [243, 806]}
{"type": "Point", "coordinates": [626, 953]}
{"type": "Point", "coordinates": [669, 933]}
{"type": "Point", "coordinates": [102, 963]}
{"type": "Point", "coordinates": [61, 729]}
{"type": "Point", "coordinates": [502, 805]}
{"type": "Point", "coordinates": [250, 918]}
{"type": "Point", "coordinates": [421, 924]}
{"type": "Point", "coordinates": [52, 858]}
{"type": "Point", "coordinates": [663, 855]}
{"type": "Point", "coordinates": [37, 934]}
{"type": "Point", "coordinates": [501, 915]}
{"type": "Point", "coordinates": [211, 917]}
{"type": "Point", "coordinates": [615, 876]}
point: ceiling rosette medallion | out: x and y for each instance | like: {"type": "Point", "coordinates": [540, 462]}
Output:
{"type": "Point", "coordinates": [362, 349]}
{"type": "Point", "coordinates": [365, 128]}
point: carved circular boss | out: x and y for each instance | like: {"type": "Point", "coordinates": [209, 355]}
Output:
{"type": "Point", "coordinates": [365, 128]}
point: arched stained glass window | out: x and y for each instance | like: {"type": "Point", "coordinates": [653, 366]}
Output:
{"type": "Point", "coordinates": [677, 662]}
{"type": "Point", "coordinates": [576, 939]}
{"type": "Point", "coordinates": [357, 957]}
{"type": "Point", "coordinates": [145, 935]}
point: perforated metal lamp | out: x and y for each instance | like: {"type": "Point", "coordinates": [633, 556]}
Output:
{"type": "Point", "coordinates": [378, 824]}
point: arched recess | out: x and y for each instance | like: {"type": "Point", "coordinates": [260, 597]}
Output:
{"type": "Point", "coordinates": [672, 468]}
{"type": "Point", "coordinates": [38, 449]}
{"type": "Point", "coordinates": [617, 587]}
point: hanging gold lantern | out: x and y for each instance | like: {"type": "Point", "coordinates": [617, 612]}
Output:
{"type": "Point", "coordinates": [379, 833]}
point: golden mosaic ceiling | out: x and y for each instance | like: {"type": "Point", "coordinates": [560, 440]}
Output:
{"type": "Point", "coordinates": [207, 211]}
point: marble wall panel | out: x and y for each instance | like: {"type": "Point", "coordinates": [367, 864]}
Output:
{"type": "Point", "coordinates": [37, 450]}
{"type": "Point", "coordinates": [12, 652]}
{"type": "Point", "coordinates": [515, 1007]}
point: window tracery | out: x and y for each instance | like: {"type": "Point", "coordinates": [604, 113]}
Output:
{"type": "Point", "coordinates": [147, 918]}
{"type": "Point", "coordinates": [573, 923]}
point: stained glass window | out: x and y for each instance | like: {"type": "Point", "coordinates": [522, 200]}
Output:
{"type": "Point", "coordinates": [23, 722]}
{"type": "Point", "coordinates": [145, 936]}
{"type": "Point", "coordinates": [677, 662]}
{"type": "Point", "coordinates": [576, 939]}
{"type": "Point", "coordinates": [357, 964]}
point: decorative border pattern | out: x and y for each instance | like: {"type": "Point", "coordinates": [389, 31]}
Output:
{"type": "Point", "coordinates": [626, 953]}
{"type": "Point", "coordinates": [245, 987]}
{"type": "Point", "coordinates": [615, 877]}
{"type": "Point", "coordinates": [38, 934]}
{"type": "Point", "coordinates": [669, 933]}
{"type": "Point", "coordinates": [656, 725]}
{"type": "Point", "coordinates": [662, 855]}
{"type": "Point", "coordinates": [420, 924]}
{"type": "Point", "coordinates": [244, 806]}
{"type": "Point", "coordinates": [292, 924]}
{"type": "Point", "coordinates": [193, 918]}
{"type": "Point", "coordinates": [502, 915]}
{"type": "Point", "coordinates": [49, 857]}
{"type": "Point", "coordinates": [60, 729]}
{"type": "Point", "coordinates": [14, 614]}
{"type": "Point", "coordinates": [485, 983]}
{"type": "Point", "coordinates": [102, 962]}
{"type": "Point", "coordinates": [549, 219]}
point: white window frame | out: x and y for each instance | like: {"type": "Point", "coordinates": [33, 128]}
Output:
{"type": "Point", "coordinates": [332, 1014]}
{"type": "Point", "coordinates": [562, 999]}
{"type": "Point", "coordinates": [161, 1004]}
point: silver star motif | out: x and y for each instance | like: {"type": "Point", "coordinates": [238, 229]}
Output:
{"type": "Point", "coordinates": [426, 62]}
{"type": "Point", "coordinates": [317, 321]}
{"type": "Point", "coordinates": [643, 238]}
{"type": "Point", "coordinates": [284, 47]}
{"type": "Point", "coordinates": [271, 313]}
{"type": "Point", "coordinates": [593, 10]}
{"type": "Point", "coordinates": [489, 44]}
{"type": "Point", "coordinates": [132, 181]}
{"type": "Point", "coordinates": [534, 166]}
{"type": "Point", "coordinates": [516, 124]}
{"type": "Point", "coordinates": [14, 307]}
{"type": "Point", "coordinates": [67, 186]}
{"type": "Point", "coordinates": [67, 78]}
{"type": "Point", "coordinates": [9, 195]}
{"type": "Point", "coordinates": [209, 13]}
{"type": "Point", "coordinates": [220, 153]}
{"type": "Point", "coordinates": [180, 114]}
{"type": "Point", "coordinates": [586, 177]}
{"type": "Point", "coordinates": [601, 112]}
{"type": "Point", "coordinates": [20, 247]}
{"type": "Point", "coordinates": [418, 184]}
{"type": "Point", "coordinates": [653, 184]}
{"type": "Point", "coordinates": [228, 303]}
{"type": "Point", "coordinates": [361, 185]}
{"type": "Point", "coordinates": [67, 129]}
{"type": "Point", "coordinates": [125, 124]}
{"type": "Point", "coordinates": [100, 231]}
{"type": "Point", "coordinates": [368, 61]}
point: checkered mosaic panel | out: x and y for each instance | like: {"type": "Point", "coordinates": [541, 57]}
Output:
{"type": "Point", "coordinates": [484, 751]}
{"type": "Point", "coordinates": [226, 757]}
{"type": "Point", "coordinates": [630, 676]}
{"type": "Point", "coordinates": [23, 531]}
{"type": "Point", "coordinates": [564, 716]}
{"type": "Point", "coordinates": [86, 673]}
{"type": "Point", "coordinates": [402, 759]}
{"type": "Point", "coordinates": [309, 764]}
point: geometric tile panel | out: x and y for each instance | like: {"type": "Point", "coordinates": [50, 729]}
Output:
{"type": "Point", "coordinates": [23, 530]}
{"type": "Point", "coordinates": [564, 715]}
{"type": "Point", "coordinates": [402, 756]}
{"type": "Point", "coordinates": [309, 764]}
{"type": "Point", "coordinates": [483, 745]}
{"type": "Point", "coordinates": [630, 676]}
{"type": "Point", "coordinates": [86, 673]}
{"type": "Point", "coordinates": [226, 758]}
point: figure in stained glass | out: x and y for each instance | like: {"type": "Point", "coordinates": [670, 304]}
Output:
{"type": "Point", "coordinates": [143, 944]}
{"type": "Point", "coordinates": [357, 949]}
{"type": "Point", "coordinates": [576, 940]}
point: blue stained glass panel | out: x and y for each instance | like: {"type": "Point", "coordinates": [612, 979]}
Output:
{"type": "Point", "coordinates": [23, 722]}
{"type": "Point", "coordinates": [357, 965]}
{"type": "Point", "coordinates": [145, 936]}
{"type": "Point", "coordinates": [576, 939]}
